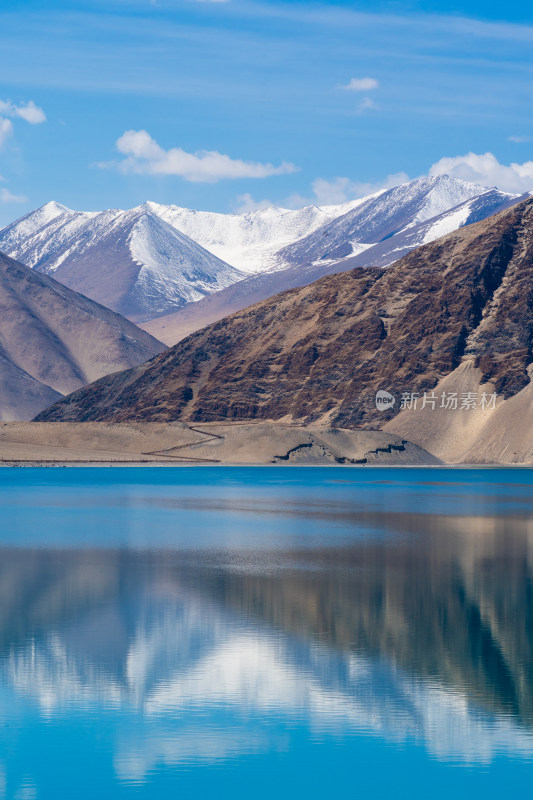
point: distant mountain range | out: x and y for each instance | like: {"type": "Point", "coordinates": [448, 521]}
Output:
{"type": "Point", "coordinates": [457, 310]}
{"type": "Point", "coordinates": [396, 221]}
{"type": "Point", "coordinates": [251, 242]}
{"type": "Point", "coordinates": [154, 260]}
{"type": "Point", "coordinates": [131, 261]}
{"type": "Point", "coordinates": [53, 340]}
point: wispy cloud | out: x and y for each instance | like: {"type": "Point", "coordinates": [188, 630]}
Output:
{"type": "Point", "coordinates": [28, 111]}
{"type": "Point", "coordinates": [7, 197]}
{"type": "Point", "coordinates": [246, 203]}
{"type": "Point", "coordinates": [145, 155]}
{"type": "Point", "coordinates": [366, 104]}
{"type": "Point", "coordinates": [325, 193]}
{"type": "Point", "coordinates": [519, 139]}
{"type": "Point", "coordinates": [340, 190]}
{"type": "Point", "coordinates": [6, 129]}
{"type": "Point", "coordinates": [361, 85]}
{"type": "Point", "coordinates": [442, 75]}
{"type": "Point", "coordinates": [485, 169]}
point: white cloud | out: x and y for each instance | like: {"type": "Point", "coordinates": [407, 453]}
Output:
{"type": "Point", "coordinates": [212, 1]}
{"type": "Point", "coordinates": [7, 197]}
{"type": "Point", "coordinates": [144, 155]}
{"type": "Point", "coordinates": [340, 190]}
{"type": "Point", "coordinates": [28, 112]}
{"type": "Point", "coordinates": [246, 203]}
{"type": "Point", "coordinates": [486, 169]}
{"type": "Point", "coordinates": [325, 193]}
{"type": "Point", "coordinates": [31, 113]}
{"type": "Point", "coordinates": [519, 139]}
{"type": "Point", "coordinates": [361, 85]}
{"type": "Point", "coordinates": [6, 129]}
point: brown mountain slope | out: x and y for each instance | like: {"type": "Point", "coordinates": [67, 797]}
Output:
{"type": "Point", "coordinates": [308, 267]}
{"type": "Point", "coordinates": [53, 340]}
{"type": "Point", "coordinates": [321, 352]}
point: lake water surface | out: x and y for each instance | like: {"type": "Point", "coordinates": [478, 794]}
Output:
{"type": "Point", "coordinates": [266, 632]}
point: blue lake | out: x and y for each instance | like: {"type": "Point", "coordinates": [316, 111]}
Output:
{"type": "Point", "coordinates": [257, 632]}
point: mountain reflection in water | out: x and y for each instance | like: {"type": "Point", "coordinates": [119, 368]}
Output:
{"type": "Point", "coordinates": [424, 633]}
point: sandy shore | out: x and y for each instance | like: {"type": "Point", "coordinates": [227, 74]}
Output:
{"type": "Point", "coordinates": [64, 443]}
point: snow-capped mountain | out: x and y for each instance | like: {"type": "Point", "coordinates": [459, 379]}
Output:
{"type": "Point", "coordinates": [386, 252]}
{"type": "Point", "coordinates": [274, 238]}
{"type": "Point", "coordinates": [388, 215]}
{"type": "Point", "coordinates": [173, 327]}
{"type": "Point", "coordinates": [131, 261]}
{"type": "Point", "coordinates": [250, 241]}
{"type": "Point", "coordinates": [153, 260]}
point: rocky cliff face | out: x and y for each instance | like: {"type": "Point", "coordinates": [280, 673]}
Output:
{"type": "Point", "coordinates": [322, 352]}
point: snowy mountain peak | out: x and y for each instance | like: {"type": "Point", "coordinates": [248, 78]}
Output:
{"type": "Point", "coordinates": [152, 259]}
{"type": "Point", "coordinates": [382, 216]}
{"type": "Point", "coordinates": [53, 209]}
{"type": "Point", "coordinates": [131, 261]}
{"type": "Point", "coordinates": [32, 222]}
{"type": "Point", "coordinates": [442, 193]}
{"type": "Point", "coordinates": [248, 241]}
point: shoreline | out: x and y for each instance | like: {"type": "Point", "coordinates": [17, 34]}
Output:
{"type": "Point", "coordinates": [56, 444]}
{"type": "Point", "coordinates": [136, 464]}
{"type": "Point", "coordinates": [179, 443]}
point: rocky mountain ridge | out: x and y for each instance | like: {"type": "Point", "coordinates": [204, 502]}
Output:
{"type": "Point", "coordinates": [321, 352]}
{"type": "Point", "coordinates": [154, 260]}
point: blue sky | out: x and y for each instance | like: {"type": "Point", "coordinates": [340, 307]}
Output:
{"type": "Point", "coordinates": [262, 87]}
